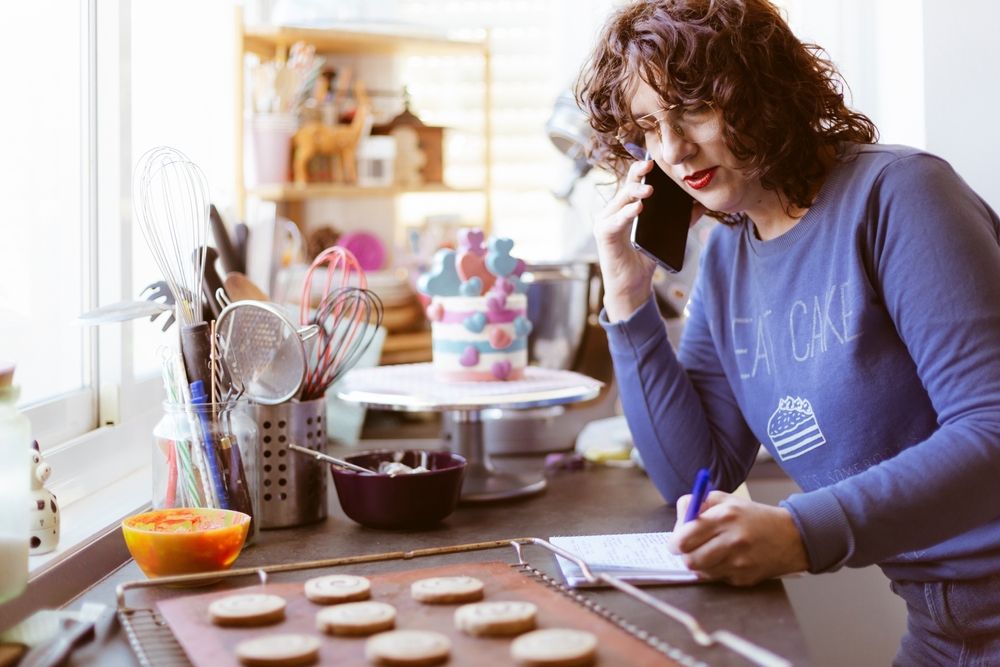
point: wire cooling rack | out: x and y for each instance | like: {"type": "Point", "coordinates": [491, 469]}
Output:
{"type": "Point", "coordinates": [155, 645]}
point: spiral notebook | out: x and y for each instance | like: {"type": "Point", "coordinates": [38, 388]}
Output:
{"type": "Point", "coordinates": [638, 558]}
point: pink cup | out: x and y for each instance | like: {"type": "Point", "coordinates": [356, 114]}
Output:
{"type": "Point", "coordinates": [272, 143]}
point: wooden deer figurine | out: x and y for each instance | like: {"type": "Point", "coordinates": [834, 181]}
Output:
{"type": "Point", "coordinates": [44, 533]}
{"type": "Point", "coordinates": [340, 142]}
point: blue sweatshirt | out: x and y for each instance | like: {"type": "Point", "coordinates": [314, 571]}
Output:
{"type": "Point", "coordinates": [862, 348]}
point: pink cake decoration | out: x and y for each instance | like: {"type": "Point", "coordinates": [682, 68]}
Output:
{"type": "Point", "coordinates": [496, 302]}
{"type": "Point", "coordinates": [435, 312]}
{"type": "Point", "coordinates": [500, 339]}
{"type": "Point", "coordinates": [470, 265]}
{"type": "Point", "coordinates": [478, 310]}
{"type": "Point", "coordinates": [501, 369]}
{"type": "Point", "coordinates": [470, 357]}
{"type": "Point", "coordinates": [471, 241]}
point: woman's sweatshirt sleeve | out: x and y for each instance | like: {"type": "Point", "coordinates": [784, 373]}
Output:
{"type": "Point", "coordinates": [682, 417]}
{"type": "Point", "coordinates": [935, 262]}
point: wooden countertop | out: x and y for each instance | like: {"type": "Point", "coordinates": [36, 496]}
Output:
{"type": "Point", "coordinates": [597, 500]}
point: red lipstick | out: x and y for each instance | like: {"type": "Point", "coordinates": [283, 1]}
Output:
{"type": "Point", "coordinates": [700, 179]}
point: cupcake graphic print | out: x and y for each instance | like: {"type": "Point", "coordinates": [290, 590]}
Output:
{"type": "Point", "coordinates": [793, 428]}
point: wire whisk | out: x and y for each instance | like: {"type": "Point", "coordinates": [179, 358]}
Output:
{"type": "Point", "coordinates": [340, 263]}
{"type": "Point", "coordinates": [171, 201]}
{"type": "Point", "coordinates": [348, 321]}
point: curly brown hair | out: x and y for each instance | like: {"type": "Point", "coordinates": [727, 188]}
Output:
{"type": "Point", "coordinates": [781, 101]}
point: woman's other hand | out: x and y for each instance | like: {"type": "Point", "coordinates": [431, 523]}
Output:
{"type": "Point", "coordinates": [738, 541]}
{"type": "Point", "coordinates": [627, 273]}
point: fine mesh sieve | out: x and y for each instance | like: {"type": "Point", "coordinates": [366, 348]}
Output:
{"type": "Point", "coordinates": [264, 349]}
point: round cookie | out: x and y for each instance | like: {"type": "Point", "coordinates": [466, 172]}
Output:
{"type": "Point", "coordinates": [337, 588]}
{"type": "Point", "coordinates": [495, 619]}
{"type": "Point", "coordinates": [408, 648]}
{"type": "Point", "coordinates": [278, 651]}
{"type": "Point", "coordinates": [246, 610]}
{"type": "Point", "coordinates": [356, 618]}
{"type": "Point", "coordinates": [554, 648]}
{"type": "Point", "coordinates": [445, 590]}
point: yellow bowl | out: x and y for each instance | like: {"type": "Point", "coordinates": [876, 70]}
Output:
{"type": "Point", "coordinates": [185, 540]}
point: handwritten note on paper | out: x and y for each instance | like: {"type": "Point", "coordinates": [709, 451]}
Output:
{"type": "Point", "coordinates": [639, 558]}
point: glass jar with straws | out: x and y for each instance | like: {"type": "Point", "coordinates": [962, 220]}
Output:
{"type": "Point", "coordinates": [204, 453]}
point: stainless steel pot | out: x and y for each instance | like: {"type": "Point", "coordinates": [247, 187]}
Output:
{"type": "Point", "coordinates": [568, 127]}
{"type": "Point", "coordinates": [569, 130]}
{"type": "Point", "coordinates": [558, 305]}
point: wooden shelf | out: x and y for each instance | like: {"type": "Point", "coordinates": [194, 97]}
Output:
{"type": "Point", "coordinates": [407, 348]}
{"type": "Point", "coordinates": [271, 41]}
{"type": "Point", "coordinates": [293, 192]}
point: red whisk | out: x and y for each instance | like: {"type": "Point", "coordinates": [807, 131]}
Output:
{"type": "Point", "coordinates": [336, 259]}
{"type": "Point", "coordinates": [343, 317]}
{"type": "Point", "coordinates": [348, 320]}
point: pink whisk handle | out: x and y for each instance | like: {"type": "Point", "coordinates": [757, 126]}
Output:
{"type": "Point", "coordinates": [335, 258]}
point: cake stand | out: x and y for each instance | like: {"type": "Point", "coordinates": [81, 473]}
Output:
{"type": "Point", "coordinates": [412, 388]}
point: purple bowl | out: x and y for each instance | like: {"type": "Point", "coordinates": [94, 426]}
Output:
{"type": "Point", "coordinates": [404, 501]}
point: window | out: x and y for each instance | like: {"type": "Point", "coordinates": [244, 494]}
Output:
{"type": "Point", "coordinates": [536, 50]}
{"type": "Point", "coordinates": [47, 221]}
{"type": "Point", "coordinates": [879, 48]}
{"type": "Point", "coordinates": [69, 242]}
{"type": "Point", "coordinates": [65, 241]}
{"type": "Point", "coordinates": [182, 98]}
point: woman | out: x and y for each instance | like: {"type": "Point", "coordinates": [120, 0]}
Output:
{"type": "Point", "coordinates": [846, 316]}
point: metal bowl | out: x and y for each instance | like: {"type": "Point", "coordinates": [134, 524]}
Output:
{"type": "Point", "coordinates": [569, 127]}
{"type": "Point", "coordinates": [558, 305]}
{"type": "Point", "coordinates": [404, 501]}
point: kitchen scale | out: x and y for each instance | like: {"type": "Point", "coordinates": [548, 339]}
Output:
{"type": "Point", "coordinates": [413, 388]}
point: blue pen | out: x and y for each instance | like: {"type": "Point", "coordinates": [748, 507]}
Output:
{"type": "Point", "coordinates": [198, 397]}
{"type": "Point", "coordinates": [702, 487]}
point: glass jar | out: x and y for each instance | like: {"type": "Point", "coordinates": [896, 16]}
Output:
{"type": "Point", "coordinates": [15, 476]}
{"type": "Point", "coordinates": [187, 473]}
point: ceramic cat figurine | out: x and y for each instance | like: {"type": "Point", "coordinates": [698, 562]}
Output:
{"type": "Point", "coordinates": [44, 534]}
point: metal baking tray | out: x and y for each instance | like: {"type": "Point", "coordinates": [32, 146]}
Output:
{"type": "Point", "coordinates": [155, 645]}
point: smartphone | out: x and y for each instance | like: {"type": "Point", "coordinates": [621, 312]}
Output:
{"type": "Point", "coordinates": [660, 230]}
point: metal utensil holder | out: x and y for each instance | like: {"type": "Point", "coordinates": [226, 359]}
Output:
{"type": "Point", "coordinates": [292, 486]}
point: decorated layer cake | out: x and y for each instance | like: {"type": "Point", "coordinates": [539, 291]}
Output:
{"type": "Point", "coordinates": [478, 311]}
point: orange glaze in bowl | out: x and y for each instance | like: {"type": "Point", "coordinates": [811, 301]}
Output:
{"type": "Point", "coordinates": [185, 540]}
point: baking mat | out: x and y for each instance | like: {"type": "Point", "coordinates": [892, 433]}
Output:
{"type": "Point", "coordinates": [208, 645]}
{"type": "Point", "coordinates": [417, 380]}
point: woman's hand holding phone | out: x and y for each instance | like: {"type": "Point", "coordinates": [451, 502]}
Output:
{"type": "Point", "coordinates": [627, 272]}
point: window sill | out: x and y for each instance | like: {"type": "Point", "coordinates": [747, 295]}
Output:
{"type": "Point", "coordinates": [100, 459]}
{"type": "Point", "coordinates": [94, 515]}
{"type": "Point", "coordinates": [99, 479]}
